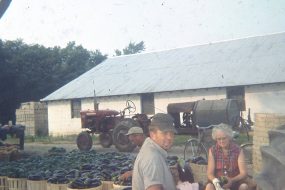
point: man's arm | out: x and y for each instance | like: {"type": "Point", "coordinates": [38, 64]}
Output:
{"type": "Point", "coordinates": [155, 187]}
{"type": "Point", "coordinates": [126, 175]}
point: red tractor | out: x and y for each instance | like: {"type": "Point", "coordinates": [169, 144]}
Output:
{"type": "Point", "coordinates": [111, 126]}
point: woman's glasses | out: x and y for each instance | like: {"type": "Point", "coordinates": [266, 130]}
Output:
{"type": "Point", "coordinates": [221, 138]}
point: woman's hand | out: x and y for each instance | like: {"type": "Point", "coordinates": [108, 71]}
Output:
{"type": "Point", "coordinates": [229, 184]}
{"type": "Point", "coordinates": [216, 182]}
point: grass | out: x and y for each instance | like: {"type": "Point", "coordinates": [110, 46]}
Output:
{"type": "Point", "coordinates": [242, 138]}
{"type": "Point", "coordinates": [51, 139]}
{"type": "Point", "coordinates": [179, 140]}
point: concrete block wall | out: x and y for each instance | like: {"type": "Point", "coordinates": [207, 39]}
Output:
{"type": "Point", "coordinates": [264, 122]}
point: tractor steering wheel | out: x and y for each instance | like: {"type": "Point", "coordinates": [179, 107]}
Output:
{"type": "Point", "coordinates": [130, 105]}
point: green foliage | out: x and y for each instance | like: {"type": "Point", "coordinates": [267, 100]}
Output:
{"type": "Point", "coordinates": [118, 52]}
{"type": "Point", "coordinates": [242, 138]}
{"type": "Point", "coordinates": [132, 48]}
{"type": "Point", "coordinates": [31, 72]}
{"type": "Point", "coordinates": [180, 140]}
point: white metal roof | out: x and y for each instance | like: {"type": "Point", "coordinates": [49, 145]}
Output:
{"type": "Point", "coordinates": [255, 60]}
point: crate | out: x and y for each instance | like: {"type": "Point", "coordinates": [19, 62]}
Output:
{"type": "Point", "coordinates": [119, 187]}
{"type": "Point", "coordinates": [34, 116]}
{"type": "Point", "coordinates": [199, 173]}
{"type": "Point", "coordinates": [36, 185]}
{"type": "Point", "coordinates": [107, 185]}
{"type": "Point", "coordinates": [93, 188]}
{"type": "Point", "coordinates": [17, 183]}
{"type": "Point", "coordinates": [15, 155]}
{"type": "Point", "coordinates": [51, 186]}
{"type": "Point", "coordinates": [3, 183]}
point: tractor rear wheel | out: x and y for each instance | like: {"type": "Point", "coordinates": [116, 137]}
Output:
{"type": "Point", "coordinates": [121, 140]}
{"type": "Point", "coordinates": [106, 139]}
{"type": "Point", "coordinates": [84, 141]}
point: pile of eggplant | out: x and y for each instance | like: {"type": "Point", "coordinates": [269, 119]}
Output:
{"type": "Point", "coordinates": [80, 170]}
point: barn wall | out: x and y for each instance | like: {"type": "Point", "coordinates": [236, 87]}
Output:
{"type": "Point", "coordinates": [265, 98]}
{"type": "Point", "coordinates": [259, 98]}
{"type": "Point", "coordinates": [163, 99]}
{"type": "Point", "coordinates": [59, 118]}
{"type": "Point", "coordinates": [115, 103]}
{"type": "Point", "coordinates": [59, 112]}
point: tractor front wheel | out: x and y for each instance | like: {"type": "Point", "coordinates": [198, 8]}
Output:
{"type": "Point", "coordinates": [106, 139]}
{"type": "Point", "coordinates": [84, 141]}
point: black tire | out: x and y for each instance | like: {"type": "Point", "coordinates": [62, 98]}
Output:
{"type": "Point", "coordinates": [247, 150]}
{"type": "Point", "coordinates": [84, 141]}
{"type": "Point", "coordinates": [106, 139]}
{"type": "Point", "coordinates": [193, 149]}
{"type": "Point", "coordinates": [121, 140]}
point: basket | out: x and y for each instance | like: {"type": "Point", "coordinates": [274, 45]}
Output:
{"type": "Point", "coordinates": [7, 151]}
{"type": "Point", "coordinates": [4, 156]}
{"type": "Point", "coordinates": [107, 185]}
{"type": "Point", "coordinates": [51, 186]}
{"type": "Point", "coordinates": [199, 173]}
{"type": "Point", "coordinates": [3, 183]}
{"type": "Point", "coordinates": [36, 185]}
{"type": "Point", "coordinates": [119, 187]}
{"type": "Point", "coordinates": [93, 188]}
{"type": "Point", "coordinates": [174, 172]}
{"type": "Point", "coordinates": [17, 183]}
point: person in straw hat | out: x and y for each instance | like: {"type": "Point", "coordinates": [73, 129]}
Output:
{"type": "Point", "coordinates": [137, 137]}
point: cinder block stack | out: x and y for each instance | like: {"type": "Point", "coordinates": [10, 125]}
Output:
{"type": "Point", "coordinates": [33, 115]}
{"type": "Point", "coordinates": [263, 123]}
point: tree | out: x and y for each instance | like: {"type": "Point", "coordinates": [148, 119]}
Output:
{"type": "Point", "coordinates": [7, 84]}
{"type": "Point", "coordinates": [118, 52]}
{"type": "Point", "coordinates": [31, 72]}
{"type": "Point", "coordinates": [132, 48]}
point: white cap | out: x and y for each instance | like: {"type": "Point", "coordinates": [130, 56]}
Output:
{"type": "Point", "coordinates": [135, 130]}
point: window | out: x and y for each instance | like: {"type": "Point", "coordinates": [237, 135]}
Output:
{"type": "Point", "coordinates": [147, 103]}
{"type": "Point", "coordinates": [237, 93]}
{"type": "Point", "coordinates": [75, 108]}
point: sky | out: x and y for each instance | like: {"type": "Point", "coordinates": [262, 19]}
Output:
{"type": "Point", "coordinates": [107, 25]}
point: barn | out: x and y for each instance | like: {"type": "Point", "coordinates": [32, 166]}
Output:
{"type": "Point", "coordinates": [250, 69]}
